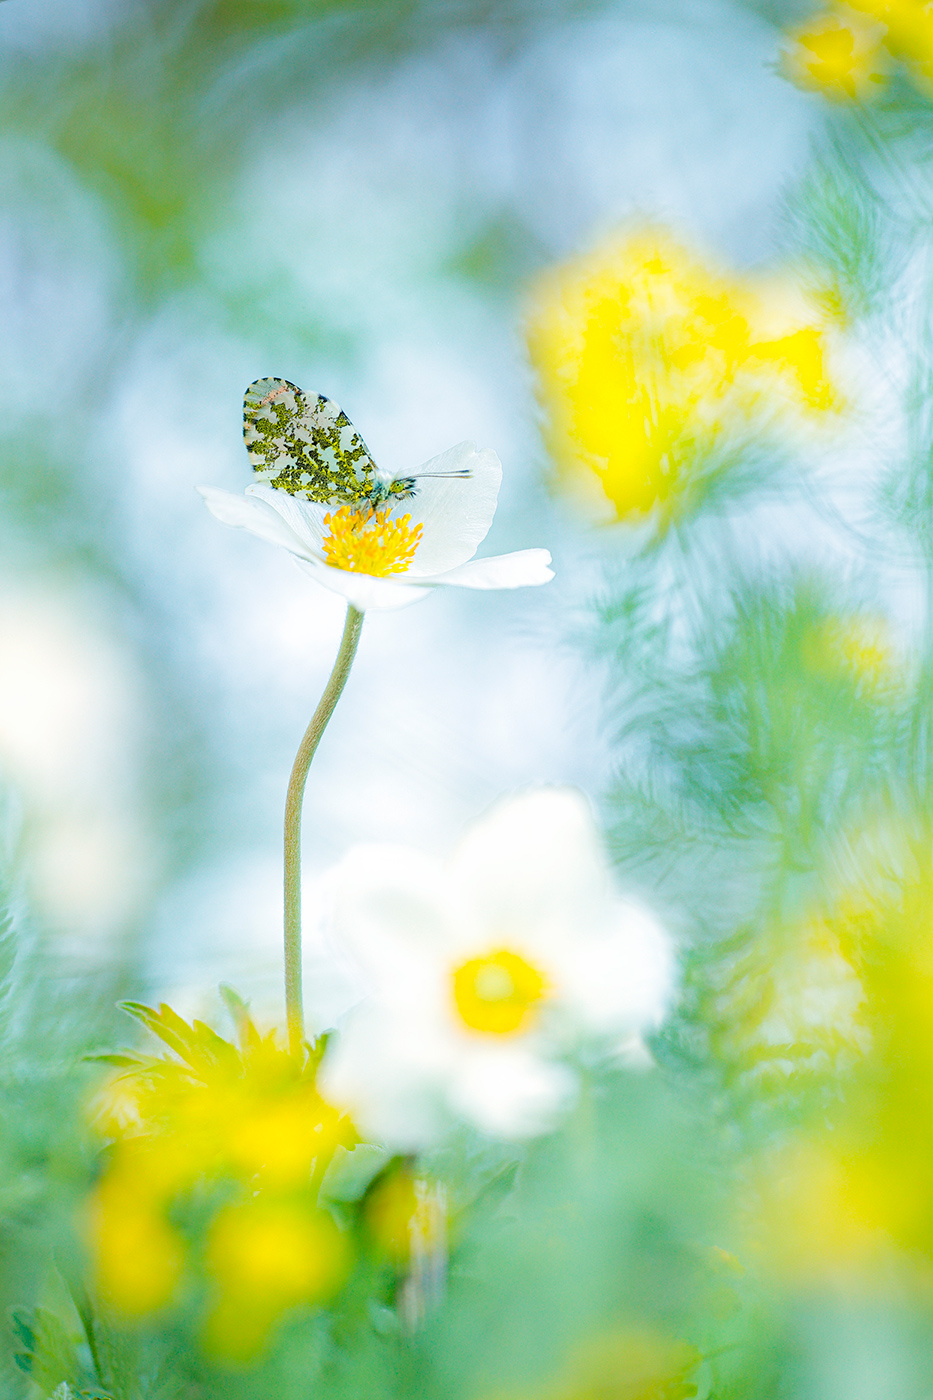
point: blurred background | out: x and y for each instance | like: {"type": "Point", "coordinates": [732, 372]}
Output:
{"type": "Point", "coordinates": [355, 195]}
{"type": "Point", "coordinates": [672, 261]}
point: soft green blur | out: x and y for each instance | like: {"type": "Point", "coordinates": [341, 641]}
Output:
{"type": "Point", "coordinates": [199, 193]}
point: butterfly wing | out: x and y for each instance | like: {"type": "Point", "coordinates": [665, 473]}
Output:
{"type": "Point", "coordinates": [306, 446]}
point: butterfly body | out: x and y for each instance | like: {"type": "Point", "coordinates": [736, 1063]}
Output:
{"type": "Point", "coordinates": [307, 446]}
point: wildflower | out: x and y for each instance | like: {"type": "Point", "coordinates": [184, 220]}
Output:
{"type": "Point", "coordinates": [841, 52]}
{"type": "Point", "coordinates": [482, 971]}
{"type": "Point", "coordinates": [139, 1255]}
{"type": "Point", "coordinates": [849, 1193]}
{"type": "Point", "coordinates": [265, 1257]}
{"type": "Point", "coordinates": [908, 32]}
{"type": "Point", "coordinates": [646, 360]}
{"type": "Point", "coordinates": [843, 60]}
{"type": "Point", "coordinates": [381, 559]}
{"type": "Point", "coordinates": [214, 1165]}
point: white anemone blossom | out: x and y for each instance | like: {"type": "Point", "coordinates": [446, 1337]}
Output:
{"type": "Point", "coordinates": [386, 558]}
{"type": "Point", "coordinates": [481, 974]}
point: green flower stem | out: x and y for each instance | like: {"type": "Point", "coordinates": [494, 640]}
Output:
{"type": "Point", "coordinates": [296, 789]}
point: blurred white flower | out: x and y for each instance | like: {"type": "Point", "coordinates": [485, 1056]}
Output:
{"type": "Point", "coordinates": [386, 560]}
{"type": "Point", "coordinates": [481, 972]}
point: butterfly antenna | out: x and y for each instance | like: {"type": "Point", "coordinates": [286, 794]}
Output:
{"type": "Point", "coordinates": [421, 475]}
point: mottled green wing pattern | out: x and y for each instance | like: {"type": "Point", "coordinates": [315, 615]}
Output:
{"type": "Point", "coordinates": [307, 447]}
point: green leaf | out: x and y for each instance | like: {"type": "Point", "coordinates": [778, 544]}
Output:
{"type": "Point", "coordinates": [214, 1045]}
{"type": "Point", "coordinates": [49, 1358]}
{"type": "Point", "coordinates": [239, 1013]}
{"type": "Point", "coordinates": [22, 1328]}
{"type": "Point", "coordinates": [154, 1022]}
{"type": "Point", "coordinates": [122, 1059]}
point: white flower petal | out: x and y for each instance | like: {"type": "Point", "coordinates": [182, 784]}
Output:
{"type": "Point", "coordinates": [534, 868]}
{"type": "Point", "coordinates": [509, 1093]}
{"type": "Point", "coordinates": [255, 513]}
{"type": "Point", "coordinates": [362, 590]}
{"type": "Point", "coordinates": [389, 1075]}
{"type": "Point", "coordinates": [625, 979]}
{"type": "Point", "coordinates": [392, 906]}
{"type": "Point", "coordinates": [304, 518]}
{"type": "Point", "coordinates": [456, 513]}
{"type": "Point", "coordinates": [521, 569]}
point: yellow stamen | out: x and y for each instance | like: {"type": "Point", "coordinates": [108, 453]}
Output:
{"type": "Point", "coordinates": [373, 544]}
{"type": "Point", "coordinates": [498, 993]}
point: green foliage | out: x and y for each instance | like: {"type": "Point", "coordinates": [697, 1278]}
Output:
{"type": "Point", "coordinates": [157, 117]}
{"type": "Point", "coordinates": [839, 223]}
{"type": "Point", "coordinates": [198, 1045]}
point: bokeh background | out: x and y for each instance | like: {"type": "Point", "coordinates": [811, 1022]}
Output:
{"type": "Point", "coordinates": [398, 204]}
{"type": "Point", "coordinates": [354, 195]}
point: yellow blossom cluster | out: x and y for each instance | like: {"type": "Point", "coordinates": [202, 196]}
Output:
{"type": "Point", "coordinates": [210, 1188]}
{"type": "Point", "coordinates": [852, 1198]}
{"type": "Point", "coordinates": [648, 361]}
{"type": "Point", "coordinates": [847, 51]}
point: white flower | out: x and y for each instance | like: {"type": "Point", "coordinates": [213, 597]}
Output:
{"type": "Point", "coordinates": [390, 559]}
{"type": "Point", "coordinates": [481, 972]}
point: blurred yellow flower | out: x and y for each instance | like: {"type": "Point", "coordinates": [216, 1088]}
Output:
{"type": "Point", "coordinates": [813, 1219]}
{"type": "Point", "coordinates": [139, 1256]}
{"type": "Point", "coordinates": [860, 647]}
{"type": "Point", "coordinates": [647, 361]}
{"type": "Point", "coordinates": [263, 1257]}
{"type": "Point", "coordinates": [909, 30]}
{"type": "Point", "coordinates": [404, 1211]}
{"type": "Point", "coordinates": [834, 1201]}
{"type": "Point", "coordinates": [910, 33]}
{"type": "Point", "coordinates": [841, 52]}
{"type": "Point", "coordinates": [245, 1134]}
{"type": "Point", "coordinates": [391, 1207]}
{"type": "Point", "coordinates": [841, 57]}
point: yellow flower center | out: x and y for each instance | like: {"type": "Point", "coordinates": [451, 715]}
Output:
{"type": "Point", "coordinates": [374, 544]}
{"type": "Point", "coordinates": [498, 993]}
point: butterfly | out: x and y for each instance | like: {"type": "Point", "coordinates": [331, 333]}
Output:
{"type": "Point", "coordinates": [309, 448]}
